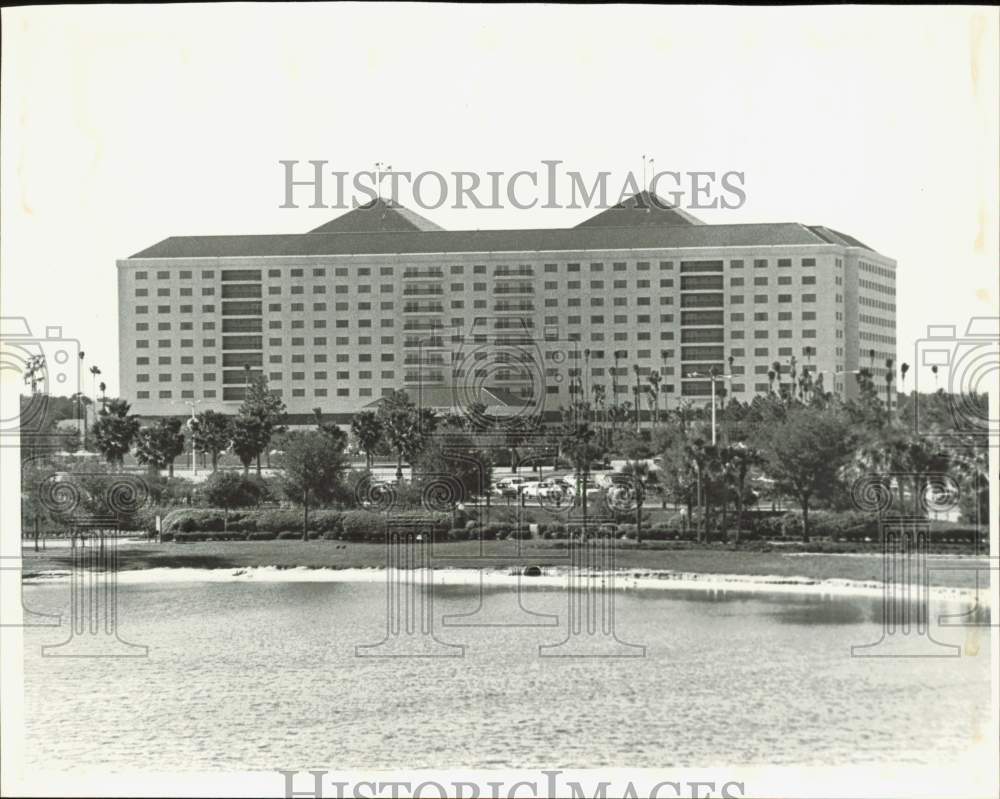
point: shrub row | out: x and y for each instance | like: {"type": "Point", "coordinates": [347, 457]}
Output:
{"type": "Point", "coordinates": [353, 525]}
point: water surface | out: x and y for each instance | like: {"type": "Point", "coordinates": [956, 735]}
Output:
{"type": "Point", "coordinates": [258, 676]}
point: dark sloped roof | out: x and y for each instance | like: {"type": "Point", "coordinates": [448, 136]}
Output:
{"type": "Point", "coordinates": [461, 241]}
{"type": "Point", "coordinates": [644, 208]}
{"type": "Point", "coordinates": [378, 216]}
{"type": "Point", "coordinates": [836, 237]}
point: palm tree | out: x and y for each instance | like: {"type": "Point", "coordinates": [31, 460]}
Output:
{"type": "Point", "coordinates": [578, 443]}
{"type": "Point", "coordinates": [94, 372]}
{"type": "Point", "coordinates": [740, 459]}
{"type": "Point", "coordinates": [597, 396]}
{"type": "Point", "coordinates": [638, 405]}
{"type": "Point", "coordinates": [654, 384]}
{"type": "Point", "coordinates": [614, 392]}
{"type": "Point", "coordinates": [367, 430]}
{"type": "Point", "coordinates": [889, 374]}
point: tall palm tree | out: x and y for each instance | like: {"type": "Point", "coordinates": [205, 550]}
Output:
{"type": "Point", "coordinates": [578, 443]}
{"type": "Point", "coordinates": [664, 355]}
{"type": "Point", "coordinates": [597, 396]}
{"type": "Point", "coordinates": [654, 383]}
{"type": "Point", "coordinates": [94, 372]}
{"type": "Point", "coordinates": [889, 374]}
{"type": "Point", "coordinates": [614, 393]}
{"type": "Point", "coordinates": [638, 405]}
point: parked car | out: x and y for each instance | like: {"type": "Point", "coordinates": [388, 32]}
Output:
{"type": "Point", "coordinates": [508, 485]}
{"type": "Point", "coordinates": [530, 488]}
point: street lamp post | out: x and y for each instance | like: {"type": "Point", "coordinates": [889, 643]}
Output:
{"type": "Point", "coordinates": [713, 377]}
{"type": "Point", "coordinates": [194, 452]}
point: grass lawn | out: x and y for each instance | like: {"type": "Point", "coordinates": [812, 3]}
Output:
{"type": "Point", "coordinates": [503, 554]}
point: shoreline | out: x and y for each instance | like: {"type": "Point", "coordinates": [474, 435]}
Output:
{"type": "Point", "coordinates": [550, 578]}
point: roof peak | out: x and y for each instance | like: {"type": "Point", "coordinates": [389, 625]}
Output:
{"type": "Point", "coordinates": [640, 210]}
{"type": "Point", "coordinates": [381, 215]}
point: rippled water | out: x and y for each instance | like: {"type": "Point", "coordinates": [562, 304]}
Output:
{"type": "Point", "coordinates": [257, 676]}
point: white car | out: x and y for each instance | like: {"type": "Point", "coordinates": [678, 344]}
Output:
{"type": "Point", "coordinates": [508, 484]}
{"type": "Point", "coordinates": [530, 488]}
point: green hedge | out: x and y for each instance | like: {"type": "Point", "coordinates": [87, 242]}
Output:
{"type": "Point", "coordinates": [354, 525]}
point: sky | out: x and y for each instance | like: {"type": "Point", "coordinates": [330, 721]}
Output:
{"type": "Point", "coordinates": [124, 125]}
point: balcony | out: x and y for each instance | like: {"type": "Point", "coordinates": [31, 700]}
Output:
{"type": "Point", "coordinates": [423, 342]}
{"type": "Point", "coordinates": [422, 291]}
{"type": "Point", "coordinates": [423, 377]}
{"type": "Point", "coordinates": [423, 307]}
{"type": "Point", "coordinates": [430, 360]}
{"type": "Point", "coordinates": [515, 288]}
{"type": "Point", "coordinates": [514, 307]}
{"type": "Point", "coordinates": [422, 324]}
{"type": "Point", "coordinates": [514, 271]}
{"type": "Point", "coordinates": [514, 323]}
{"type": "Point", "coordinates": [432, 273]}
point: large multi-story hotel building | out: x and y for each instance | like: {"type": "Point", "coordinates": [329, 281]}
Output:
{"type": "Point", "coordinates": [381, 298]}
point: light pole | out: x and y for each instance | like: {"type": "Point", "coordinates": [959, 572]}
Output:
{"type": "Point", "coordinates": [713, 377]}
{"type": "Point", "coordinates": [194, 452]}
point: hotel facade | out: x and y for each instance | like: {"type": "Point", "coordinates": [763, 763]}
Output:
{"type": "Point", "coordinates": [381, 299]}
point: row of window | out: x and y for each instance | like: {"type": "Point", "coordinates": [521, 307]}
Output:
{"type": "Point", "coordinates": [882, 306]}
{"type": "Point", "coordinates": [873, 286]}
{"type": "Point", "coordinates": [456, 269]}
{"type": "Point", "coordinates": [238, 291]}
{"type": "Point", "coordinates": [256, 343]}
{"type": "Point", "coordinates": [256, 309]}
{"type": "Point", "coordinates": [875, 269]}
{"type": "Point", "coordinates": [876, 337]}
{"type": "Point", "coordinates": [248, 325]}
{"type": "Point", "coordinates": [783, 280]}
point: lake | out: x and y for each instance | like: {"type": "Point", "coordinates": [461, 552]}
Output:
{"type": "Point", "coordinates": [264, 675]}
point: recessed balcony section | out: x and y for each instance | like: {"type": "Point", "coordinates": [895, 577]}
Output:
{"type": "Point", "coordinates": [702, 300]}
{"type": "Point", "coordinates": [242, 308]}
{"type": "Point", "coordinates": [688, 267]}
{"type": "Point", "coordinates": [240, 274]}
{"type": "Point", "coordinates": [241, 291]}
{"type": "Point", "coordinates": [702, 318]}
{"type": "Point", "coordinates": [513, 323]}
{"type": "Point", "coordinates": [514, 272]}
{"type": "Point", "coordinates": [696, 388]}
{"type": "Point", "coordinates": [697, 335]}
{"type": "Point", "coordinates": [241, 377]}
{"type": "Point", "coordinates": [423, 307]}
{"type": "Point", "coordinates": [423, 377]}
{"type": "Point", "coordinates": [514, 307]}
{"type": "Point", "coordinates": [423, 291]}
{"type": "Point", "coordinates": [515, 288]}
{"type": "Point", "coordinates": [702, 283]}
{"type": "Point", "coordinates": [423, 342]}
{"type": "Point", "coordinates": [701, 370]}
{"type": "Point", "coordinates": [429, 273]}
{"type": "Point", "coordinates": [703, 354]}
{"type": "Point", "coordinates": [422, 324]}
{"type": "Point", "coordinates": [426, 360]}
{"type": "Point", "coordinates": [242, 342]}
{"type": "Point", "coordinates": [242, 325]}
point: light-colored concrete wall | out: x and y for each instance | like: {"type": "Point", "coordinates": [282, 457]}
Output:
{"type": "Point", "coordinates": [565, 304]}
